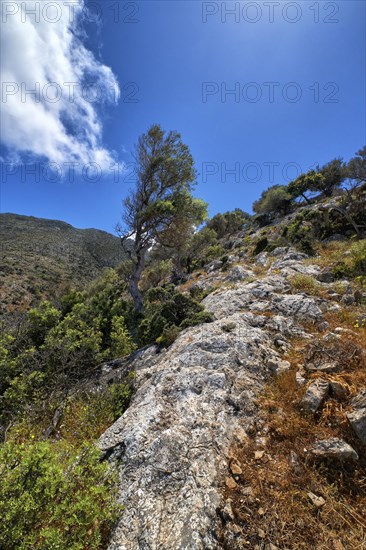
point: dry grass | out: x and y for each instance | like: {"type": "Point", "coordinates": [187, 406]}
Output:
{"type": "Point", "coordinates": [347, 318]}
{"type": "Point", "coordinates": [329, 254]}
{"type": "Point", "coordinates": [260, 270]}
{"type": "Point", "coordinates": [279, 510]}
{"type": "Point", "coordinates": [308, 284]}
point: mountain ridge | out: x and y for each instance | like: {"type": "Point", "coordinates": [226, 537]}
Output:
{"type": "Point", "coordinates": [41, 257]}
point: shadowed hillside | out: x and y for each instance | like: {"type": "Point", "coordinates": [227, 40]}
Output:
{"type": "Point", "coordinates": [41, 258]}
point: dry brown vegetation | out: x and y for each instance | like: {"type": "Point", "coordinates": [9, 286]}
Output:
{"type": "Point", "coordinates": [308, 284]}
{"type": "Point", "coordinates": [270, 502]}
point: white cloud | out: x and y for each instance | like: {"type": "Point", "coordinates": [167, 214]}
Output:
{"type": "Point", "coordinates": [45, 52]}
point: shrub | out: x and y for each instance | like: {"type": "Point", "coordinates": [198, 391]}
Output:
{"type": "Point", "coordinates": [353, 265]}
{"type": "Point", "coordinates": [121, 341]}
{"type": "Point", "coordinates": [198, 319]}
{"type": "Point", "coordinates": [300, 234]}
{"type": "Point", "coordinates": [198, 246]}
{"type": "Point", "coordinates": [54, 496]}
{"type": "Point", "coordinates": [306, 283]}
{"type": "Point", "coordinates": [156, 273]}
{"type": "Point", "coordinates": [260, 246]}
{"type": "Point", "coordinates": [214, 252]}
{"type": "Point", "coordinates": [358, 255]}
{"type": "Point", "coordinates": [228, 223]}
{"type": "Point", "coordinates": [199, 293]}
{"type": "Point", "coordinates": [74, 345]}
{"type": "Point", "coordinates": [7, 361]}
{"type": "Point", "coordinates": [168, 336]}
{"type": "Point", "coordinates": [167, 310]}
{"type": "Point", "coordinates": [41, 320]}
{"type": "Point", "coordinates": [275, 200]}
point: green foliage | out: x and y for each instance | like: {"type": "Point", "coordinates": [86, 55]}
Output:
{"type": "Point", "coordinates": [198, 293]}
{"type": "Point", "coordinates": [197, 319]}
{"type": "Point", "coordinates": [161, 208]}
{"type": "Point", "coordinates": [228, 223]}
{"type": "Point", "coordinates": [121, 341]}
{"type": "Point", "coordinates": [299, 233]}
{"type": "Point", "coordinates": [54, 496]}
{"type": "Point", "coordinates": [156, 272]}
{"type": "Point", "coordinates": [201, 241]}
{"type": "Point", "coordinates": [358, 257]}
{"type": "Point", "coordinates": [309, 182]}
{"type": "Point", "coordinates": [261, 220]}
{"type": "Point", "coordinates": [333, 174]}
{"type": "Point", "coordinates": [7, 360]}
{"type": "Point", "coordinates": [74, 343]}
{"type": "Point", "coordinates": [260, 246]}
{"type": "Point", "coordinates": [56, 349]}
{"type": "Point", "coordinates": [323, 180]}
{"type": "Point", "coordinates": [356, 168]}
{"type": "Point", "coordinates": [41, 320]}
{"type": "Point", "coordinates": [213, 252]}
{"type": "Point", "coordinates": [189, 214]}
{"type": "Point", "coordinates": [69, 300]}
{"type": "Point", "coordinates": [168, 336]}
{"type": "Point", "coordinates": [353, 265]}
{"type": "Point", "coordinates": [166, 313]}
{"type": "Point", "coordinates": [119, 397]}
{"type": "Point", "coordinates": [23, 391]}
{"type": "Point", "coordinates": [273, 201]}
{"type": "Point", "coordinates": [306, 283]}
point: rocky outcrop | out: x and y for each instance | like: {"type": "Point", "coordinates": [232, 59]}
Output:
{"type": "Point", "coordinates": [315, 396]}
{"type": "Point", "coordinates": [174, 438]}
{"type": "Point", "coordinates": [334, 448]}
{"type": "Point", "coordinates": [193, 402]}
{"type": "Point", "coordinates": [357, 417]}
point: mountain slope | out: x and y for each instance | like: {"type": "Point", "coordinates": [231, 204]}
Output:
{"type": "Point", "coordinates": [195, 424]}
{"type": "Point", "coordinates": [41, 258]}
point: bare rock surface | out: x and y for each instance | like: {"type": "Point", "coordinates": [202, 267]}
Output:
{"type": "Point", "coordinates": [315, 396]}
{"type": "Point", "coordinates": [334, 448]}
{"type": "Point", "coordinates": [357, 417]}
{"type": "Point", "coordinates": [174, 438]}
{"type": "Point", "coordinates": [192, 403]}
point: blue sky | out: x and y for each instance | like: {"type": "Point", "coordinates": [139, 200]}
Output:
{"type": "Point", "coordinates": [296, 71]}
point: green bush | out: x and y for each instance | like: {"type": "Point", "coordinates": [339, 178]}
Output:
{"type": "Point", "coordinates": [168, 336]}
{"type": "Point", "coordinates": [213, 252]}
{"type": "Point", "coordinates": [121, 341]}
{"type": "Point", "coordinates": [299, 233]}
{"type": "Point", "coordinates": [306, 283]}
{"type": "Point", "coordinates": [73, 346]}
{"type": "Point", "coordinates": [358, 255]}
{"type": "Point", "coordinates": [166, 313]}
{"type": "Point", "coordinates": [353, 265]}
{"type": "Point", "coordinates": [55, 496]}
{"type": "Point", "coordinates": [274, 201]}
{"type": "Point", "coordinates": [156, 273]}
{"type": "Point", "coordinates": [56, 349]}
{"type": "Point", "coordinates": [7, 360]}
{"type": "Point", "coordinates": [260, 246]}
{"type": "Point", "coordinates": [198, 293]}
{"type": "Point", "coordinates": [41, 321]}
{"type": "Point", "coordinates": [228, 223]}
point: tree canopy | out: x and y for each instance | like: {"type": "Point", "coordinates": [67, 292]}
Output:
{"type": "Point", "coordinates": [274, 200]}
{"type": "Point", "coordinates": [161, 209]}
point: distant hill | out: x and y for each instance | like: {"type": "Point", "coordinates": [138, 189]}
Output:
{"type": "Point", "coordinates": [42, 258]}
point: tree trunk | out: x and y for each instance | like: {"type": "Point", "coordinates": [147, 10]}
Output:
{"type": "Point", "coordinates": [350, 220]}
{"type": "Point", "coordinates": [134, 282]}
{"type": "Point", "coordinates": [178, 265]}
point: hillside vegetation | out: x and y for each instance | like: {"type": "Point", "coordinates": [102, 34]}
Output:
{"type": "Point", "coordinates": [211, 361]}
{"type": "Point", "coordinates": [41, 259]}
